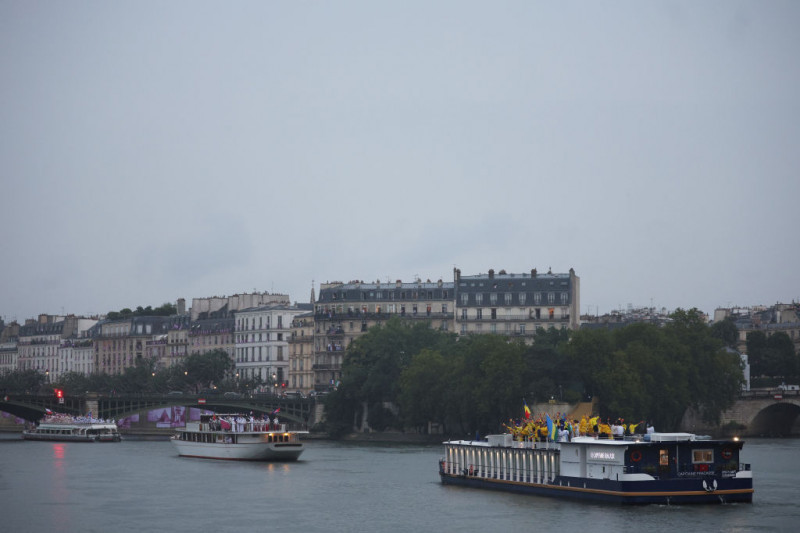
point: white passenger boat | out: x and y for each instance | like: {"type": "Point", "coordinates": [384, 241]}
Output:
{"type": "Point", "coordinates": [237, 437]}
{"type": "Point", "coordinates": [73, 429]}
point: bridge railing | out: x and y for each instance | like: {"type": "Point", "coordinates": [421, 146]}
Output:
{"type": "Point", "coordinates": [769, 393]}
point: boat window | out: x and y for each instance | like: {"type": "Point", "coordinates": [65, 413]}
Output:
{"type": "Point", "coordinates": [702, 456]}
{"type": "Point", "coordinates": [663, 457]}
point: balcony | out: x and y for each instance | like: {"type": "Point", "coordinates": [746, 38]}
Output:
{"type": "Point", "coordinates": [360, 315]}
{"type": "Point", "coordinates": [325, 367]}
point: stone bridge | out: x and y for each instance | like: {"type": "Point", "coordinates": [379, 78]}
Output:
{"type": "Point", "coordinates": [757, 413]}
{"type": "Point", "coordinates": [302, 412]}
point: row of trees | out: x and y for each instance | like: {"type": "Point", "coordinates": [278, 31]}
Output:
{"type": "Point", "coordinates": [166, 309]}
{"type": "Point", "coordinates": [403, 374]}
{"type": "Point", "coordinates": [196, 372]}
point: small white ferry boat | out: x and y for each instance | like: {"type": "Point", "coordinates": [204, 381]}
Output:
{"type": "Point", "coordinates": [237, 437]}
{"type": "Point", "coordinates": [73, 429]}
{"type": "Point", "coordinates": [661, 468]}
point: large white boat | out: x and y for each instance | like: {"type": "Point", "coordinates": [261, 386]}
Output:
{"type": "Point", "coordinates": [237, 437]}
{"type": "Point", "coordinates": [660, 468]}
{"type": "Point", "coordinates": [73, 429]}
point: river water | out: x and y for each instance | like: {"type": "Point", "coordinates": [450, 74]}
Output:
{"type": "Point", "coordinates": [141, 485]}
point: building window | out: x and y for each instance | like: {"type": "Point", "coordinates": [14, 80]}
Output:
{"type": "Point", "coordinates": [551, 298]}
{"type": "Point", "coordinates": [463, 314]}
{"type": "Point", "coordinates": [564, 297]}
{"type": "Point", "coordinates": [479, 314]}
{"type": "Point", "coordinates": [464, 298]}
{"type": "Point", "coordinates": [479, 298]}
{"type": "Point", "coordinates": [508, 297]}
{"type": "Point", "coordinates": [537, 298]}
{"type": "Point", "coordinates": [493, 298]}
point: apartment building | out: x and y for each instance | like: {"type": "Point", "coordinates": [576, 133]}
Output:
{"type": "Point", "coordinates": [301, 354]}
{"type": "Point", "coordinates": [120, 343]}
{"type": "Point", "coordinates": [262, 342]}
{"type": "Point", "coordinates": [9, 337]}
{"type": "Point", "coordinates": [211, 334]}
{"type": "Point", "coordinates": [46, 344]}
{"type": "Point", "coordinates": [516, 304]}
{"type": "Point", "coordinates": [345, 311]}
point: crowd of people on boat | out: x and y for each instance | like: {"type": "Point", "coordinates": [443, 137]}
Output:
{"type": "Point", "coordinates": [63, 418]}
{"type": "Point", "coordinates": [242, 424]}
{"type": "Point", "coordinates": [560, 428]}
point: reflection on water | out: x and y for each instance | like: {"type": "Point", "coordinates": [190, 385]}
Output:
{"type": "Point", "coordinates": [58, 450]}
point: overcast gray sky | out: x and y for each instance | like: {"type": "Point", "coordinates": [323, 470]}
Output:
{"type": "Point", "coordinates": [157, 150]}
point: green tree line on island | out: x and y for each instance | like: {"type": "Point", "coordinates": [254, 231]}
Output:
{"type": "Point", "coordinates": [403, 375]}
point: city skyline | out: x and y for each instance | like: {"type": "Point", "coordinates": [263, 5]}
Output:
{"type": "Point", "coordinates": [149, 153]}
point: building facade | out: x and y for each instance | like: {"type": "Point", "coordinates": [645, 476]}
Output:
{"type": "Point", "coordinates": [209, 334]}
{"type": "Point", "coordinates": [119, 344]}
{"type": "Point", "coordinates": [9, 337]}
{"type": "Point", "coordinates": [516, 304]}
{"type": "Point", "coordinates": [301, 354]}
{"type": "Point", "coordinates": [345, 311]}
{"type": "Point", "coordinates": [262, 343]}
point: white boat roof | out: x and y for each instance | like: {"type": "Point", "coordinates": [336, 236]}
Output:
{"type": "Point", "coordinates": [503, 440]}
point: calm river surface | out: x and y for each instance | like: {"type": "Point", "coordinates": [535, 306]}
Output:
{"type": "Point", "coordinates": [140, 485]}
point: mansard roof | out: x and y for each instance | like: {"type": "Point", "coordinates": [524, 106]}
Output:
{"type": "Point", "coordinates": [275, 307]}
{"type": "Point", "coordinates": [514, 282]}
{"type": "Point", "coordinates": [360, 291]}
{"type": "Point", "coordinates": [36, 328]}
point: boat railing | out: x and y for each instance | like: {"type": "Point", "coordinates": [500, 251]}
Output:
{"type": "Point", "coordinates": [248, 427]}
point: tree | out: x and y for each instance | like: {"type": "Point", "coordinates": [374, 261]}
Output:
{"type": "Point", "coordinates": [204, 369]}
{"type": "Point", "coordinates": [726, 331]}
{"type": "Point", "coordinates": [645, 372]}
{"type": "Point", "coordinates": [22, 381]}
{"type": "Point", "coordinates": [781, 356]}
{"type": "Point", "coordinates": [423, 388]}
{"type": "Point", "coordinates": [757, 352]}
{"type": "Point", "coordinates": [372, 368]}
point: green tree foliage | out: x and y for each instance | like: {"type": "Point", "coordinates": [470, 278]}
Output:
{"type": "Point", "coordinates": [205, 369]}
{"type": "Point", "coordinates": [726, 331]}
{"type": "Point", "coordinates": [772, 356]}
{"type": "Point", "coordinates": [781, 349]}
{"type": "Point", "coordinates": [22, 381]}
{"type": "Point", "coordinates": [645, 372]}
{"type": "Point", "coordinates": [757, 353]}
{"type": "Point", "coordinates": [547, 375]}
{"type": "Point", "coordinates": [371, 372]}
{"type": "Point", "coordinates": [474, 383]}
{"type": "Point", "coordinates": [166, 309]}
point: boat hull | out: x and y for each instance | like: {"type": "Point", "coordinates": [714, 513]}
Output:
{"type": "Point", "coordinates": [252, 451]}
{"type": "Point", "coordinates": [693, 491]}
{"type": "Point", "coordinates": [58, 438]}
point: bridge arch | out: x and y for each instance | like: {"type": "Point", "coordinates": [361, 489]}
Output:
{"type": "Point", "coordinates": [776, 419]}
